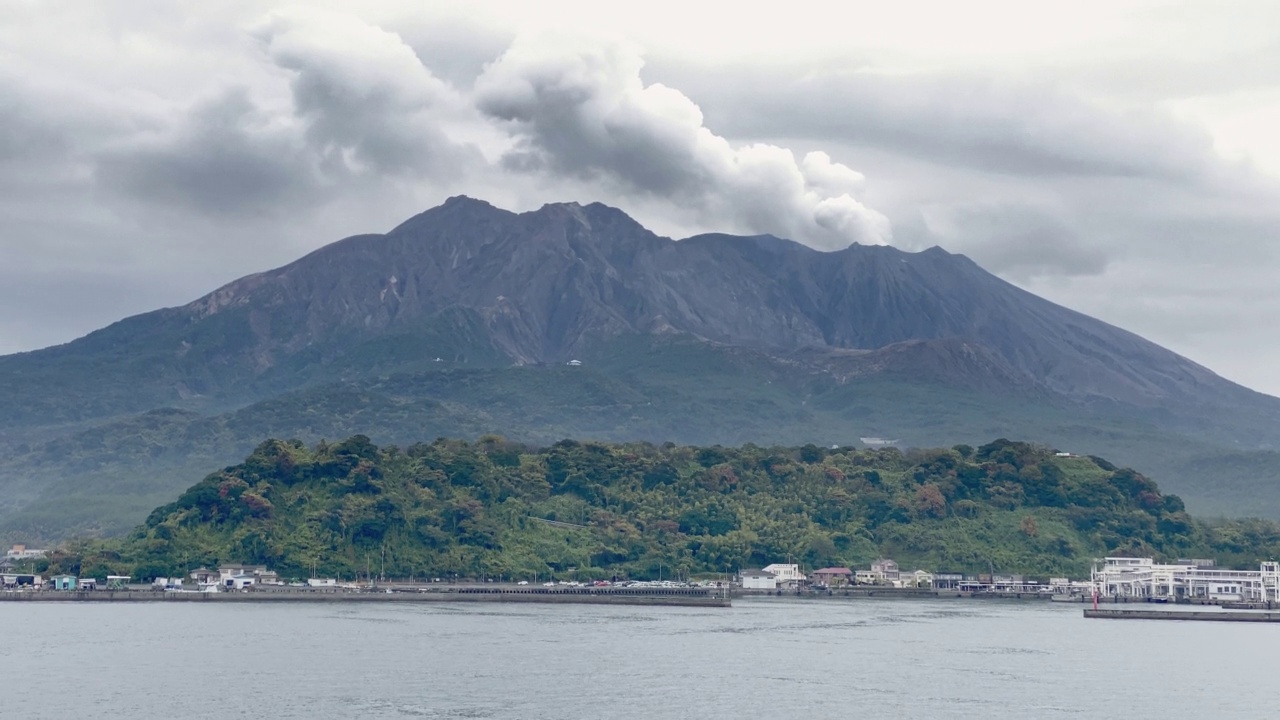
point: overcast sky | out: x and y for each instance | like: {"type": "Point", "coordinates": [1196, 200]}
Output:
{"type": "Point", "coordinates": [1120, 158]}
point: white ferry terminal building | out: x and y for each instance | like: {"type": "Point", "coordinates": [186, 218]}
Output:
{"type": "Point", "coordinates": [1143, 578]}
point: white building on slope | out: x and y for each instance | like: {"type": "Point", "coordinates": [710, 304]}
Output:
{"type": "Point", "coordinates": [1143, 577]}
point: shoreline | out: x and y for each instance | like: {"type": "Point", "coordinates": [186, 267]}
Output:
{"type": "Point", "coordinates": [670, 596]}
{"type": "Point", "coordinates": [679, 597]}
{"type": "Point", "coordinates": [1191, 615]}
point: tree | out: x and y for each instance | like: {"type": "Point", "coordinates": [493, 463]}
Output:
{"type": "Point", "coordinates": [1028, 526]}
{"type": "Point", "coordinates": [930, 502]}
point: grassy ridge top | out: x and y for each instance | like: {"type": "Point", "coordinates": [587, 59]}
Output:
{"type": "Point", "coordinates": [453, 507]}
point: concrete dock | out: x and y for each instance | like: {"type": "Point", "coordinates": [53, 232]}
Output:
{"type": "Point", "coordinates": [682, 597]}
{"type": "Point", "coordinates": [1211, 615]}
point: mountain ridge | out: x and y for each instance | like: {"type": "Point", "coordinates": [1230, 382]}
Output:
{"type": "Point", "coordinates": [466, 285]}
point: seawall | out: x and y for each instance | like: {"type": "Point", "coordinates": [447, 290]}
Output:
{"type": "Point", "coordinates": [884, 593]}
{"type": "Point", "coordinates": [1217, 616]}
{"type": "Point", "coordinates": [595, 596]}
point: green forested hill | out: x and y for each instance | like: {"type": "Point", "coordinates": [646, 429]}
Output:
{"type": "Point", "coordinates": [105, 479]}
{"type": "Point", "coordinates": [470, 509]}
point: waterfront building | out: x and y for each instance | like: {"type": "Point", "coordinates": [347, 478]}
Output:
{"type": "Point", "coordinates": [946, 581]}
{"type": "Point", "coordinates": [237, 576]}
{"type": "Point", "coordinates": [788, 575]}
{"type": "Point", "coordinates": [758, 580]}
{"type": "Point", "coordinates": [832, 576]}
{"type": "Point", "coordinates": [204, 576]}
{"type": "Point", "coordinates": [18, 580]}
{"type": "Point", "coordinates": [1144, 578]}
{"type": "Point", "coordinates": [63, 582]}
{"type": "Point", "coordinates": [867, 577]}
{"type": "Point", "coordinates": [887, 569]}
{"type": "Point", "coordinates": [230, 570]}
{"type": "Point", "coordinates": [238, 582]}
{"type": "Point", "coordinates": [917, 579]}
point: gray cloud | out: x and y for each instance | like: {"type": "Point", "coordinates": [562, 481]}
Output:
{"type": "Point", "coordinates": [224, 157]}
{"type": "Point", "coordinates": [987, 123]}
{"type": "Point", "coordinates": [1017, 241]}
{"type": "Point", "coordinates": [377, 110]}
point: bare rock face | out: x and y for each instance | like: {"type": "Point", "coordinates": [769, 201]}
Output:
{"type": "Point", "coordinates": [547, 282]}
{"type": "Point", "coordinates": [545, 286]}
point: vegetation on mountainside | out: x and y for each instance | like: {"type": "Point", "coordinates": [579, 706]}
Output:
{"type": "Point", "coordinates": [587, 509]}
{"type": "Point", "coordinates": [104, 480]}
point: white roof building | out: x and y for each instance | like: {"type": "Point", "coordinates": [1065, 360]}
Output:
{"type": "Point", "coordinates": [785, 572]}
{"type": "Point", "coordinates": [758, 580]}
{"type": "Point", "coordinates": [1143, 577]}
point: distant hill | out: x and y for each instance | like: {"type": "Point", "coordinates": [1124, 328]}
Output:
{"type": "Point", "coordinates": [591, 510]}
{"type": "Point", "coordinates": [461, 320]}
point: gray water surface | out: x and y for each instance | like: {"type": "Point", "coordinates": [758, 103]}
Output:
{"type": "Point", "coordinates": [761, 658]}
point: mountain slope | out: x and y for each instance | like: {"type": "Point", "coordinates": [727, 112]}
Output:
{"type": "Point", "coordinates": [467, 288]}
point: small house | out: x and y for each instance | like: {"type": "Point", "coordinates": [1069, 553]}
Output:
{"type": "Point", "coordinates": [868, 577]}
{"type": "Point", "coordinates": [239, 582]}
{"type": "Point", "coordinates": [917, 579]}
{"type": "Point", "coordinates": [231, 570]}
{"type": "Point", "coordinates": [887, 568]}
{"type": "Point", "coordinates": [758, 580]}
{"type": "Point", "coordinates": [87, 584]}
{"type": "Point", "coordinates": [63, 582]}
{"type": "Point", "coordinates": [204, 576]}
{"type": "Point", "coordinates": [832, 576]}
{"type": "Point", "coordinates": [322, 582]}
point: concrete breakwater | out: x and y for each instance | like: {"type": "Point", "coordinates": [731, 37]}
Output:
{"type": "Point", "coordinates": [682, 597]}
{"type": "Point", "coordinates": [1212, 615]}
{"type": "Point", "coordinates": [884, 593]}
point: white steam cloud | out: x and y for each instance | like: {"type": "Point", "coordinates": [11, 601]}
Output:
{"type": "Point", "coordinates": [581, 109]}
{"type": "Point", "coordinates": [368, 102]}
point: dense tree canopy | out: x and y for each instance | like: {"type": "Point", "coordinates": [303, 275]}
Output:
{"type": "Point", "coordinates": [587, 509]}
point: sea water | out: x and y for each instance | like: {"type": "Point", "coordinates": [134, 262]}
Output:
{"type": "Point", "coordinates": [774, 657]}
